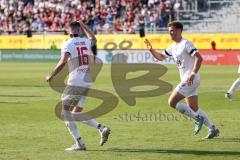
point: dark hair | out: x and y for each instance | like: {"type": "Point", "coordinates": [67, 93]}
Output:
{"type": "Point", "coordinates": [74, 24]}
{"type": "Point", "coordinates": [176, 24]}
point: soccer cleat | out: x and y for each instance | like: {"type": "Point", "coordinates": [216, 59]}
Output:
{"type": "Point", "coordinates": [198, 123]}
{"type": "Point", "coordinates": [76, 147]}
{"type": "Point", "coordinates": [214, 132]}
{"type": "Point", "coordinates": [228, 95]}
{"type": "Point", "coordinates": [104, 133]}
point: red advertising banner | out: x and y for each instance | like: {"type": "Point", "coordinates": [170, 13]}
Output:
{"type": "Point", "coordinates": [223, 57]}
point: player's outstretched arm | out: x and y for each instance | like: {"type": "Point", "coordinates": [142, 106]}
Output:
{"type": "Point", "coordinates": [88, 32]}
{"type": "Point", "coordinates": [59, 66]}
{"type": "Point", "coordinates": [156, 54]}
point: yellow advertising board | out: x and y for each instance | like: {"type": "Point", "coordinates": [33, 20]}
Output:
{"type": "Point", "coordinates": [35, 42]}
{"type": "Point", "coordinates": [223, 41]}
{"type": "Point", "coordinates": [122, 41]}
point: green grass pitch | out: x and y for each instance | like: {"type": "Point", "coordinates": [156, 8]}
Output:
{"type": "Point", "coordinates": [29, 129]}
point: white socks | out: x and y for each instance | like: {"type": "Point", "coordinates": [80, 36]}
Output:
{"type": "Point", "coordinates": [70, 118]}
{"type": "Point", "coordinates": [234, 86]}
{"type": "Point", "coordinates": [207, 121]}
{"type": "Point", "coordinates": [92, 122]}
{"type": "Point", "coordinates": [71, 125]}
{"type": "Point", "coordinates": [81, 117]}
{"type": "Point", "coordinates": [72, 128]}
{"type": "Point", "coordinates": [186, 110]}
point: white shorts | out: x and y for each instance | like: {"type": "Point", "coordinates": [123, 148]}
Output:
{"type": "Point", "coordinates": [74, 96]}
{"type": "Point", "coordinates": [186, 90]}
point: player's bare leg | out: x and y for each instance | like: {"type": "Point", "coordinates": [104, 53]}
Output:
{"type": "Point", "coordinates": [174, 102]}
{"type": "Point", "coordinates": [190, 109]}
{"type": "Point", "coordinates": [192, 102]}
{"type": "Point", "coordinates": [174, 98]}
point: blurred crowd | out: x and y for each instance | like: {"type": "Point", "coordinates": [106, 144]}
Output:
{"type": "Point", "coordinates": [127, 16]}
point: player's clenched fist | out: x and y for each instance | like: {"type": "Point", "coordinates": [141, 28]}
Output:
{"type": "Point", "coordinates": [149, 46]}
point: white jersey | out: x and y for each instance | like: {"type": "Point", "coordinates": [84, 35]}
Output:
{"type": "Point", "coordinates": [239, 69]}
{"type": "Point", "coordinates": [183, 53]}
{"type": "Point", "coordinates": [79, 49]}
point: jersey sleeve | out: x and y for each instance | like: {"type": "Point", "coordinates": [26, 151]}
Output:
{"type": "Point", "coordinates": [92, 42]}
{"type": "Point", "coordinates": [191, 49]}
{"type": "Point", "coordinates": [65, 48]}
{"type": "Point", "coordinates": [167, 52]}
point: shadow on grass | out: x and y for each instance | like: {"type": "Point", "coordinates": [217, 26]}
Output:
{"type": "Point", "coordinates": [171, 151]}
{"type": "Point", "coordinates": [236, 100]}
{"type": "Point", "coordinates": [227, 139]}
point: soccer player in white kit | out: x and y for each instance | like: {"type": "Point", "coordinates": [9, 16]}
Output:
{"type": "Point", "coordinates": [75, 51]}
{"type": "Point", "coordinates": [234, 86]}
{"type": "Point", "coordinates": [189, 62]}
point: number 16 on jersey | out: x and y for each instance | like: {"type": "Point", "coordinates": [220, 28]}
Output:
{"type": "Point", "coordinates": [82, 58]}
